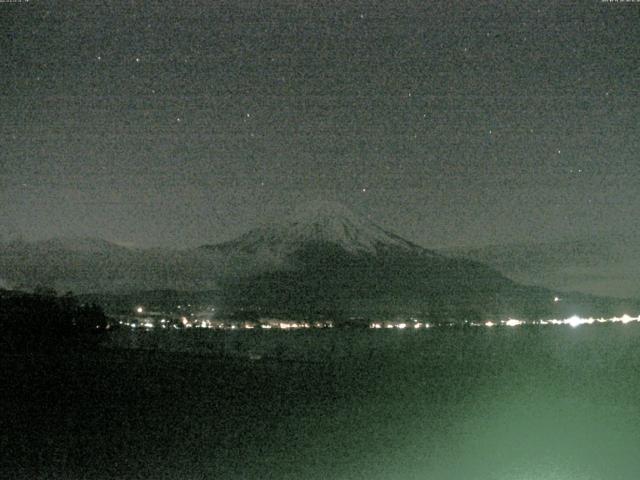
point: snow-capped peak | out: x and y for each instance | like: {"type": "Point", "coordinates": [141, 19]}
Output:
{"type": "Point", "coordinates": [323, 222]}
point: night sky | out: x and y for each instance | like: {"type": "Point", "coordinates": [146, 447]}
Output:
{"type": "Point", "coordinates": [452, 123]}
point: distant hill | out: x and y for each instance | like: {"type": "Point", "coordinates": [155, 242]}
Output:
{"type": "Point", "coordinates": [95, 265]}
{"type": "Point", "coordinates": [601, 265]}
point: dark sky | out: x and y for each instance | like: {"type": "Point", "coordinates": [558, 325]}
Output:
{"type": "Point", "coordinates": [449, 122]}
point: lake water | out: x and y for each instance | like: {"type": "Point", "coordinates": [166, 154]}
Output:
{"type": "Point", "coordinates": [503, 403]}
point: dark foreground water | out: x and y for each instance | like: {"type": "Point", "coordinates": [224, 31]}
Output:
{"type": "Point", "coordinates": [504, 403]}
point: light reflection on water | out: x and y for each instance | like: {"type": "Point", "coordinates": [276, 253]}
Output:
{"type": "Point", "coordinates": [510, 403]}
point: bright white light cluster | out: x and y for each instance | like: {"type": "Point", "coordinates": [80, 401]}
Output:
{"type": "Point", "coordinates": [401, 325]}
{"type": "Point", "coordinates": [576, 321]}
{"type": "Point", "coordinates": [573, 321]}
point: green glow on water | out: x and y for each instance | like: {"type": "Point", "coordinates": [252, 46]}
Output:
{"type": "Point", "coordinates": [443, 404]}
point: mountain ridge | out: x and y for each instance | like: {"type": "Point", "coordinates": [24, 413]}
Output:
{"type": "Point", "coordinates": [599, 265]}
{"type": "Point", "coordinates": [322, 259]}
{"type": "Point", "coordinates": [326, 222]}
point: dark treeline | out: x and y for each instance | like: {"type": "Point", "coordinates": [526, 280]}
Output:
{"type": "Point", "coordinates": [45, 321]}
